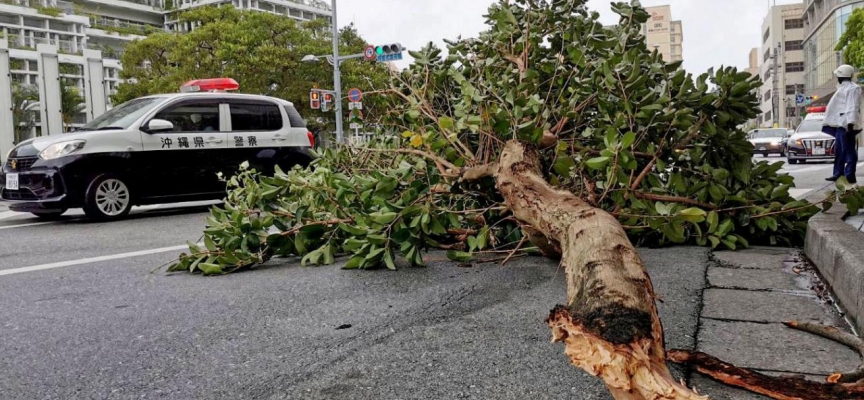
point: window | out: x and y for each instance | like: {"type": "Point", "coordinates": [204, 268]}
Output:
{"type": "Point", "coordinates": [766, 35]}
{"type": "Point", "coordinates": [794, 45]}
{"type": "Point", "coordinates": [767, 96]}
{"type": "Point", "coordinates": [793, 89]}
{"type": "Point", "coordinates": [192, 117]}
{"type": "Point", "coordinates": [294, 117]}
{"type": "Point", "coordinates": [768, 116]}
{"type": "Point", "coordinates": [795, 67]}
{"type": "Point", "coordinates": [797, 23]}
{"type": "Point", "coordinates": [767, 55]}
{"type": "Point", "coordinates": [767, 76]}
{"type": "Point", "coordinates": [255, 116]}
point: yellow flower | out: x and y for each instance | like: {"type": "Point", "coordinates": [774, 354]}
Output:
{"type": "Point", "coordinates": [407, 134]}
{"type": "Point", "coordinates": [417, 140]}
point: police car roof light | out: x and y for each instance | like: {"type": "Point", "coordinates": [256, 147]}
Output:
{"type": "Point", "coordinates": [210, 85]}
{"type": "Point", "coordinates": [817, 109]}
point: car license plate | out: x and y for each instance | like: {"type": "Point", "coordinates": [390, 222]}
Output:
{"type": "Point", "coordinates": [12, 181]}
{"type": "Point", "coordinates": [762, 149]}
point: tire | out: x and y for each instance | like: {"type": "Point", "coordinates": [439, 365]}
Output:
{"type": "Point", "coordinates": [765, 155]}
{"type": "Point", "coordinates": [48, 215]}
{"type": "Point", "coordinates": [107, 198]}
{"type": "Point", "coordinates": [792, 161]}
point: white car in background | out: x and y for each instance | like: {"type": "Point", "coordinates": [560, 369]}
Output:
{"type": "Point", "coordinates": [809, 143]}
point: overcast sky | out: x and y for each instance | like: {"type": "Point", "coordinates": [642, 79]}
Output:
{"type": "Point", "coordinates": [716, 32]}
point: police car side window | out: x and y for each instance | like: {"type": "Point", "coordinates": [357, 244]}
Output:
{"type": "Point", "coordinates": [255, 116]}
{"type": "Point", "coordinates": [190, 117]}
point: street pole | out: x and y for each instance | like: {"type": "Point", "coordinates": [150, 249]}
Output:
{"type": "Point", "coordinates": [337, 76]}
{"type": "Point", "coordinates": [775, 98]}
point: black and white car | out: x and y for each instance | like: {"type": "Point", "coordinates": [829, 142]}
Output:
{"type": "Point", "coordinates": [153, 150]}
{"type": "Point", "coordinates": [809, 143]}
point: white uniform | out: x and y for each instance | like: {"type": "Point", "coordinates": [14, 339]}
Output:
{"type": "Point", "coordinates": [844, 107]}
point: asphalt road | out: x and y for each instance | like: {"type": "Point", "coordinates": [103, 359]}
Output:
{"type": "Point", "coordinates": [86, 317]}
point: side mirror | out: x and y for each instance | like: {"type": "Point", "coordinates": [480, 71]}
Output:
{"type": "Point", "coordinates": [158, 125]}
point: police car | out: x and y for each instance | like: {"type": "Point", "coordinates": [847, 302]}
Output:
{"type": "Point", "coordinates": [809, 143]}
{"type": "Point", "coordinates": [153, 150]}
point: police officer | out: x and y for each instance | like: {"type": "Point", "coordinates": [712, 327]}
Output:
{"type": "Point", "coordinates": [841, 122]}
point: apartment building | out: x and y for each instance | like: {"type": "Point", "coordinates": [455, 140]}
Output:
{"type": "Point", "coordinates": [782, 51]}
{"type": "Point", "coordinates": [664, 34]}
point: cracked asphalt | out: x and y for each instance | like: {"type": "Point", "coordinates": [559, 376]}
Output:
{"type": "Point", "coordinates": [97, 323]}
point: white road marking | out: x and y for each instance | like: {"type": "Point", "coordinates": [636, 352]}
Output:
{"type": "Point", "coordinates": [800, 193]}
{"type": "Point", "coordinates": [71, 263]}
{"type": "Point", "coordinates": [9, 214]}
{"type": "Point", "coordinates": [27, 225]}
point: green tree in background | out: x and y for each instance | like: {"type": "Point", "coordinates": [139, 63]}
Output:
{"type": "Point", "coordinates": [71, 103]}
{"type": "Point", "coordinates": [260, 50]}
{"type": "Point", "coordinates": [851, 43]}
{"type": "Point", "coordinates": [25, 101]}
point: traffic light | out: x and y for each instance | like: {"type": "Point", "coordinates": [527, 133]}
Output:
{"type": "Point", "coordinates": [315, 100]}
{"type": "Point", "coordinates": [389, 52]}
{"type": "Point", "coordinates": [328, 101]}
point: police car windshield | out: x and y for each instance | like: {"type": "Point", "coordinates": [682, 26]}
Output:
{"type": "Point", "coordinates": [810, 125]}
{"type": "Point", "coordinates": [124, 115]}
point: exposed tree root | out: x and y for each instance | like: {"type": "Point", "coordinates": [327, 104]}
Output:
{"type": "Point", "coordinates": [781, 388]}
{"type": "Point", "coordinates": [610, 325]}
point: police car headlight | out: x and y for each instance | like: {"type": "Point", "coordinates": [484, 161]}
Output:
{"type": "Point", "coordinates": [61, 149]}
{"type": "Point", "coordinates": [775, 143]}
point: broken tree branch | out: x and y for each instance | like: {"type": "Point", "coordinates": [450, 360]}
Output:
{"type": "Point", "coordinates": [846, 339]}
{"type": "Point", "coordinates": [781, 388]}
{"type": "Point", "coordinates": [610, 325]}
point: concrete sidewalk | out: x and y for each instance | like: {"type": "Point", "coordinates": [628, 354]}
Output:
{"type": "Point", "coordinates": [749, 294]}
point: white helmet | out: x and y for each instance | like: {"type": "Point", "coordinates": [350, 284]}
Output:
{"type": "Point", "coordinates": [844, 71]}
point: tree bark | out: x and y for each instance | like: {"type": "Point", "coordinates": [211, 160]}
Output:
{"type": "Point", "coordinates": [609, 325]}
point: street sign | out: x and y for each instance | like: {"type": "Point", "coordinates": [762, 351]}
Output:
{"type": "Point", "coordinates": [355, 106]}
{"type": "Point", "coordinates": [355, 125]}
{"type": "Point", "coordinates": [369, 53]}
{"type": "Point", "coordinates": [389, 57]}
{"type": "Point", "coordinates": [355, 114]}
{"type": "Point", "coordinates": [799, 99]}
{"type": "Point", "coordinates": [355, 95]}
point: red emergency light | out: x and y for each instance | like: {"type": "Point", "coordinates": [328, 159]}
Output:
{"type": "Point", "coordinates": [819, 109]}
{"type": "Point", "coordinates": [210, 85]}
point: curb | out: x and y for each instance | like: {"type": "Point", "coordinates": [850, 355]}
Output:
{"type": "Point", "coordinates": [837, 250]}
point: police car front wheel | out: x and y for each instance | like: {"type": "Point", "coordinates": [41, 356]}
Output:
{"type": "Point", "coordinates": [108, 197]}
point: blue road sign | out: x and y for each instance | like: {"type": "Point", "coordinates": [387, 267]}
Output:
{"type": "Point", "coordinates": [355, 95]}
{"type": "Point", "coordinates": [799, 99]}
{"type": "Point", "coordinates": [389, 57]}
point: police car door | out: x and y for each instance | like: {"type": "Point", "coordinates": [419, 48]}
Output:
{"type": "Point", "coordinates": [180, 162]}
{"type": "Point", "coordinates": [255, 136]}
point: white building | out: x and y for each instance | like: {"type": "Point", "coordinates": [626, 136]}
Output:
{"type": "Point", "coordinates": [782, 37]}
{"type": "Point", "coordinates": [80, 33]}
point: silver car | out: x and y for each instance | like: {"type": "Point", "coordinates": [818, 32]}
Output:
{"type": "Point", "coordinates": [768, 141]}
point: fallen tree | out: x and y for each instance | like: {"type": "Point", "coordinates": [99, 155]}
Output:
{"type": "Point", "coordinates": [549, 133]}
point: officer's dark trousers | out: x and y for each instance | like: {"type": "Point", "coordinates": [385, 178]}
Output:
{"type": "Point", "coordinates": [845, 153]}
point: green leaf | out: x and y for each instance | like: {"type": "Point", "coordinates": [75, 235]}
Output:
{"type": "Point", "coordinates": [383, 218]}
{"type": "Point", "coordinates": [694, 215]}
{"type": "Point", "coordinates": [628, 139]}
{"type": "Point", "coordinates": [208, 243]}
{"type": "Point", "coordinates": [597, 162]}
{"type": "Point", "coordinates": [712, 221]}
{"type": "Point", "coordinates": [355, 262]}
{"type": "Point", "coordinates": [388, 260]}
{"type": "Point", "coordinates": [446, 123]}
{"type": "Point", "coordinates": [459, 256]}
{"type": "Point", "coordinates": [210, 269]}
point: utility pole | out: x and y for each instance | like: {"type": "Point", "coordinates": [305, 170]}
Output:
{"type": "Point", "coordinates": [775, 78]}
{"type": "Point", "coordinates": [337, 75]}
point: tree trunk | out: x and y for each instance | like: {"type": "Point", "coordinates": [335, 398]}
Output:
{"type": "Point", "coordinates": [610, 325]}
